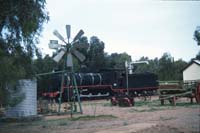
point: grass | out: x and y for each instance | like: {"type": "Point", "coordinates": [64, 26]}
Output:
{"type": "Point", "coordinates": [151, 109]}
{"type": "Point", "coordinates": [158, 104]}
{"type": "Point", "coordinates": [92, 117]}
{"type": "Point", "coordinates": [107, 104]}
{"type": "Point", "coordinates": [181, 104]}
{"type": "Point", "coordinates": [43, 123]}
{"type": "Point", "coordinates": [47, 123]}
{"type": "Point", "coordinates": [166, 118]}
{"type": "Point", "coordinates": [193, 105]}
{"type": "Point", "coordinates": [125, 123]}
{"type": "Point", "coordinates": [21, 119]}
{"type": "Point", "coordinates": [147, 103]}
{"type": "Point", "coordinates": [61, 122]}
{"type": "Point", "coordinates": [57, 122]}
{"type": "Point", "coordinates": [102, 103]}
{"type": "Point", "coordinates": [140, 106]}
{"type": "Point", "coordinates": [155, 105]}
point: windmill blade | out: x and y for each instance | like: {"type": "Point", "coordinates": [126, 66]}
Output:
{"type": "Point", "coordinates": [78, 36]}
{"type": "Point", "coordinates": [68, 30]}
{"type": "Point", "coordinates": [59, 56]}
{"type": "Point", "coordinates": [56, 33]}
{"type": "Point", "coordinates": [69, 60]}
{"type": "Point", "coordinates": [78, 55]}
{"type": "Point", "coordinates": [80, 45]}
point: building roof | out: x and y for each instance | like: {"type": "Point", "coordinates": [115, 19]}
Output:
{"type": "Point", "coordinates": [193, 61]}
{"type": "Point", "coordinates": [197, 61]}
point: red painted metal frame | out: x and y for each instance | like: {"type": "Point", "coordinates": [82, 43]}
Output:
{"type": "Point", "coordinates": [51, 94]}
{"type": "Point", "coordinates": [55, 94]}
{"type": "Point", "coordinates": [121, 90]}
{"type": "Point", "coordinates": [135, 89]}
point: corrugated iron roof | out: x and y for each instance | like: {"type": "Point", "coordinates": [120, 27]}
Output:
{"type": "Point", "coordinates": [193, 61]}
{"type": "Point", "coordinates": [197, 61]}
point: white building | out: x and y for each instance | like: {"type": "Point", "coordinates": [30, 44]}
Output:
{"type": "Point", "coordinates": [192, 71]}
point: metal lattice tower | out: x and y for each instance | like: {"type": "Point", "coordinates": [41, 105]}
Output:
{"type": "Point", "coordinates": [67, 51]}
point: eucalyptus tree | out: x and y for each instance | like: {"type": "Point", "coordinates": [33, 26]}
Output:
{"type": "Point", "coordinates": [21, 22]}
{"type": "Point", "coordinates": [197, 35]}
{"type": "Point", "coordinates": [95, 55]}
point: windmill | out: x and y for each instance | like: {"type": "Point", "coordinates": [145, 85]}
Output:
{"type": "Point", "coordinates": [66, 51]}
{"type": "Point", "coordinates": [69, 48]}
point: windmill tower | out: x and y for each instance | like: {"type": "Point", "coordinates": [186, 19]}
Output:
{"type": "Point", "coordinates": [66, 51]}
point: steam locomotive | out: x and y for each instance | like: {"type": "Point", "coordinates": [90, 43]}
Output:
{"type": "Point", "coordinates": [105, 84]}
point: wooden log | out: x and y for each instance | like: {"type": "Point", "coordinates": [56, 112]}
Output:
{"type": "Point", "coordinates": [174, 95]}
{"type": "Point", "coordinates": [174, 101]}
{"type": "Point", "coordinates": [197, 94]}
{"type": "Point", "coordinates": [191, 100]}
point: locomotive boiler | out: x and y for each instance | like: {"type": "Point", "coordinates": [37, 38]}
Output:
{"type": "Point", "coordinates": [105, 84]}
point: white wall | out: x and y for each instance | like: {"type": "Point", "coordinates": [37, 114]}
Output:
{"type": "Point", "coordinates": [192, 72]}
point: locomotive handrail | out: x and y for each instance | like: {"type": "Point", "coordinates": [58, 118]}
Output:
{"type": "Point", "coordinates": [135, 89]}
{"type": "Point", "coordinates": [88, 86]}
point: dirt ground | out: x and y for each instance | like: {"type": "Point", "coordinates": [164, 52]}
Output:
{"type": "Point", "coordinates": [100, 117]}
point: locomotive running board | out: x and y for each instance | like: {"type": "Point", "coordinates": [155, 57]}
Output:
{"type": "Point", "coordinates": [88, 96]}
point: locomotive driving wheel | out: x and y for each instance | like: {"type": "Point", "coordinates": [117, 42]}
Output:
{"type": "Point", "coordinates": [114, 101]}
{"type": "Point", "coordinates": [125, 102]}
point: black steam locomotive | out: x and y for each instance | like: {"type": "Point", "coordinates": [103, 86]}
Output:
{"type": "Point", "coordinates": [104, 84]}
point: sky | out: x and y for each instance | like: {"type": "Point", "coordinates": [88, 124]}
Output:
{"type": "Point", "coordinates": [139, 28]}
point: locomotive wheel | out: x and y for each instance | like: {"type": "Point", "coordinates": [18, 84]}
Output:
{"type": "Point", "coordinates": [132, 101]}
{"type": "Point", "coordinates": [125, 102]}
{"type": "Point", "coordinates": [113, 101]}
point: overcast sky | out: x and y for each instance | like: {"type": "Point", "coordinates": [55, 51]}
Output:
{"type": "Point", "coordinates": [147, 28]}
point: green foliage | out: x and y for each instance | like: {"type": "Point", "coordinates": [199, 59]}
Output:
{"type": "Point", "coordinates": [3, 96]}
{"type": "Point", "coordinates": [20, 26]}
{"type": "Point", "coordinates": [43, 65]}
{"type": "Point", "coordinates": [116, 60]}
{"type": "Point", "coordinates": [198, 56]}
{"type": "Point", "coordinates": [12, 95]}
{"type": "Point", "coordinates": [12, 101]}
{"type": "Point", "coordinates": [179, 65]}
{"type": "Point", "coordinates": [95, 56]}
{"type": "Point", "coordinates": [79, 66]}
{"type": "Point", "coordinates": [22, 19]}
{"type": "Point", "coordinates": [170, 69]}
{"type": "Point", "coordinates": [197, 35]}
{"type": "Point", "coordinates": [165, 67]}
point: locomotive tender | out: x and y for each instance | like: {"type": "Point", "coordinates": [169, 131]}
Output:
{"type": "Point", "coordinates": [105, 84]}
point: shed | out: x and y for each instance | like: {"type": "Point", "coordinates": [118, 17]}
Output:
{"type": "Point", "coordinates": [192, 71]}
